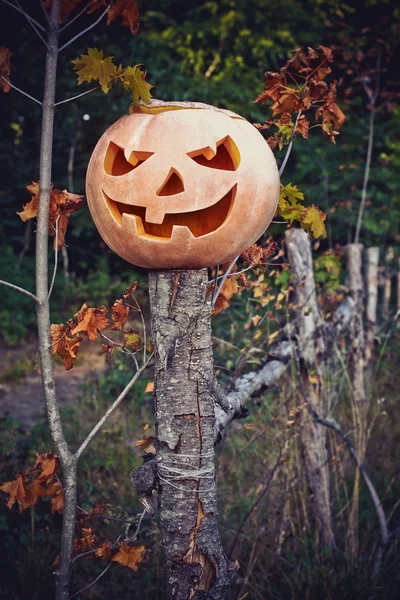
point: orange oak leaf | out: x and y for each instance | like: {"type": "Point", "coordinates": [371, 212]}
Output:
{"type": "Point", "coordinates": [128, 10]}
{"type": "Point", "coordinates": [119, 314]}
{"type": "Point", "coordinates": [5, 68]}
{"type": "Point", "coordinates": [129, 556]}
{"type": "Point", "coordinates": [17, 492]}
{"type": "Point", "coordinates": [90, 321]}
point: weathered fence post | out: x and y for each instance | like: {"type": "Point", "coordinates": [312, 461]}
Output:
{"type": "Point", "coordinates": [312, 360]}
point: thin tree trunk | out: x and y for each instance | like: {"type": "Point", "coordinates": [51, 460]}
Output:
{"type": "Point", "coordinates": [312, 360]}
{"type": "Point", "coordinates": [185, 420]}
{"type": "Point", "coordinates": [68, 461]}
{"type": "Point", "coordinates": [357, 364]}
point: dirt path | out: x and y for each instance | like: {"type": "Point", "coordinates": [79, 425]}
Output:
{"type": "Point", "coordinates": [23, 399]}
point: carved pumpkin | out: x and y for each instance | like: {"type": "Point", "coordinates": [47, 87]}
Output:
{"type": "Point", "coordinates": [181, 185]}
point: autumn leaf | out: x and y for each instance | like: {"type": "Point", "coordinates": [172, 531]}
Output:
{"type": "Point", "coordinates": [47, 463]}
{"type": "Point", "coordinates": [289, 101]}
{"type": "Point", "coordinates": [62, 204]}
{"type": "Point", "coordinates": [149, 387]}
{"type": "Point", "coordinates": [303, 127]}
{"type": "Point", "coordinates": [5, 68]}
{"type": "Point", "coordinates": [119, 315]}
{"type": "Point", "coordinates": [85, 542]}
{"type": "Point", "coordinates": [291, 193]}
{"type": "Point", "coordinates": [66, 347]}
{"type": "Point", "coordinates": [145, 442]}
{"type": "Point", "coordinates": [94, 66]}
{"type": "Point", "coordinates": [130, 290]}
{"type": "Point", "coordinates": [108, 349]}
{"type": "Point", "coordinates": [134, 80]}
{"type": "Point", "coordinates": [128, 10]}
{"type": "Point", "coordinates": [257, 255]}
{"type": "Point", "coordinates": [104, 551]}
{"type": "Point", "coordinates": [67, 7]}
{"type": "Point", "coordinates": [129, 556]}
{"type": "Point", "coordinates": [17, 492]}
{"type": "Point", "coordinates": [90, 321]}
{"type": "Point", "coordinates": [229, 289]}
{"type": "Point", "coordinates": [132, 340]}
{"type": "Point", "coordinates": [57, 501]}
{"type": "Point", "coordinates": [312, 219]}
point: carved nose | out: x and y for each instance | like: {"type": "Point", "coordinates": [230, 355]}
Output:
{"type": "Point", "coordinates": [173, 184]}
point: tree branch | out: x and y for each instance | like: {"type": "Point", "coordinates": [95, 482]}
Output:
{"type": "Point", "coordinates": [30, 21]}
{"type": "Point", "coordinates": [38, 25]}
{"type": "Point", "coordinates": [289, 148]}
{"type": "Point", "coordinates": [20, 289]}
{"type": "Point", "coordinates": [14, 87]}
{"type": "Point", "coordinates": [76, 17]}
{"type": "Point", "coordinates": [112, 408]}
{"type": "Point", "coordinates": [85, 30]}
{"type": "Point", "coordinates": [78, 96]}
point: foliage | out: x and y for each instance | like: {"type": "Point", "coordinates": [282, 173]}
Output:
{"type": "Point", "coordinates": [93, 66]}
{"type": "Point", "coordinates": [299, 86]}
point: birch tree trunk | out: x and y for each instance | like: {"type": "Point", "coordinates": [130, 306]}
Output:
{"type": "Point", "coordinates": [196, 565]}
{"type": "Point", "coordinates": [312, 359]}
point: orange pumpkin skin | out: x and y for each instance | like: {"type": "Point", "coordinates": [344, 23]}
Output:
{"type": "Point", "coordinates": [181, 186]}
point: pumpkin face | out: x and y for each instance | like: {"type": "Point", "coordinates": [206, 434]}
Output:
{"type": "Point", "coordinates": [177, 187]}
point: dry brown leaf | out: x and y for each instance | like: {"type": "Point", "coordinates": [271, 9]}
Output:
{"type": "Point", "coordinates": [145, 442]}
{"type": "Point", "coordinates": [90, 321]}
{"type": "Point", "coordinates": [5, 68]}
{"type": "Point", "coordinates": [104, 551]}
{"type": "Point", "coordinates": [129, 556]}
{"type": "Point", "coordinates": [119, 314]}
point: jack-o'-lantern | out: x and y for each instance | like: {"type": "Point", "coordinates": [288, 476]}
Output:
{"type": "Point", "coordinates": [181, 185]}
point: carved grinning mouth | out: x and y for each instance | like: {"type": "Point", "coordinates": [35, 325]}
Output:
{"type": "Point", "coordinates": [200, 222]}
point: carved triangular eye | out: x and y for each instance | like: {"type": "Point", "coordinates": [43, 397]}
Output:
{"type": "Point", "coordinates": [115, 162]}
{"type": "Point", "coordinates": [226, 156]}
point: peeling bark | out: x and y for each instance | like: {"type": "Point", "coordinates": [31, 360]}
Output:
{"type": "Point", "coordinates": [196, 565]}
{"type": "Point", "coordinates": [312, 361]}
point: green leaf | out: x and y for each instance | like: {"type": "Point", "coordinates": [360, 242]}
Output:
{"type": "Point", "coordinates": [313, 219]}
{"type": "Point", "coordinates": [134, 79]}
{"type": "Point", "coordinates": [292, 193]}
{"type": "Point", "coordinates": [94, 66]}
